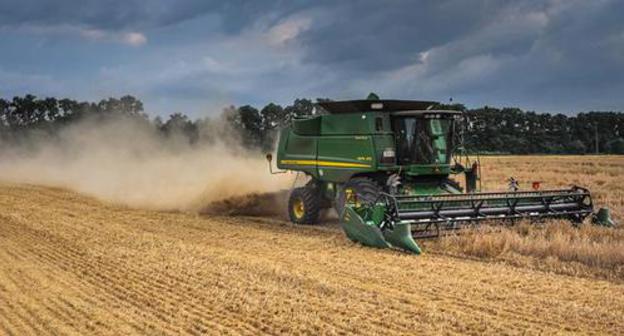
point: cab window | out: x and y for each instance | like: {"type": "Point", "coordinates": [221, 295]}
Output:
{"type": "Point", "coordinates": [379, 124]}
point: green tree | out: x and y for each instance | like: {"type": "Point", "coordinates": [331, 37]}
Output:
{"type": "Point", "coordinates": [273, 117]}
{"type": "Point", "coordinates": [179, 124]}
{"type": "Point", "coordinates": [4, 113]}
{"type": "Point", "coordinates": [616, 146]}
{"type": "Point", "coordinates": [130, 105]}
{"type": "Point", "coordinates": [247, 122]}
{"type": "Point", "coordinates": [576, 147]}
{"type": "Point", "coordinates": [299, 108]}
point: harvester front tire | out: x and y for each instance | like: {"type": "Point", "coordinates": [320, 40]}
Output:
{"type": "Point", "coordinates": [304, 205]}
{"type": "Point", "coordinates": [366, 191]}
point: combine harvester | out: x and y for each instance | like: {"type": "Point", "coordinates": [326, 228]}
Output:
{"type": "Point", "coordinates": [386, 167]}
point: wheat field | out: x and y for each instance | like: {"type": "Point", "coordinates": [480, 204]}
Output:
{"type": "Point", "coordinates": [553, 245]}
{"type": "Point", "coordinates": [71, 264]}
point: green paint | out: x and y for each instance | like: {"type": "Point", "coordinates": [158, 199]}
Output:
{"type": "Point", "coordinates": [358, 230]}
{"type": "Point", "coordinates": [362, 225]}
{"type": "Point", "coordinates": [351, 142]}
{"type": "Point", "coordinates": [332, 148]}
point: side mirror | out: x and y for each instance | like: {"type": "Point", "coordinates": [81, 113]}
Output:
{"type": "Point", "coordinates": [269, 157]}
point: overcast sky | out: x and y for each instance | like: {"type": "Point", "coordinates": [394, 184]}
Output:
{"type": "Point", "coordinates": [196, 56]}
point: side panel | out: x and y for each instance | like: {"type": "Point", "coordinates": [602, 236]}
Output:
{"type": "Point", "coordinates": [349, 144]}
{"type": "Point", "coordinates": [309, 126]}
{"type": "Point", "coordinates": [297, 152]}
{"type": "Point", "coordinates": [341, 156]}
{"type": "Point", "coordinates": [353, 123]}
{"type": "Point", "coordinates": [383, 142]}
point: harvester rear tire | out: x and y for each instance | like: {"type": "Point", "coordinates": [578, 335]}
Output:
{"type": "Point", "coordinates": [304, 205]}
{"type": "Point", "coordinates": [366, 191]}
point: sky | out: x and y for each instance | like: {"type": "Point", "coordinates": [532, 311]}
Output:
{"type": "Point", "coordinates": [197, 56]}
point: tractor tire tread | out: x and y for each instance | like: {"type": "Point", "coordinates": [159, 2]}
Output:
{"type": "Point", "coordinates": [311, 204]}
{"type": "Point", "coordinates": [363, 186]}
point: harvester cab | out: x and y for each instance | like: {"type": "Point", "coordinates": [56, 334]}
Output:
{"type": "Point", "coordinates": [389, 168]}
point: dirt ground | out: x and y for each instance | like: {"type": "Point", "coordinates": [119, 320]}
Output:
{"type": "Point", "coordinates": [70, 264]}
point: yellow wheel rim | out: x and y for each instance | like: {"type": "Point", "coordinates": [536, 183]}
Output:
{"type": "Point", "coordinates": [298, 208]}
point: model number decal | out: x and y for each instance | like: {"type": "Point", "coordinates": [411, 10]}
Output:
{"type": "Point", "coordinates": [364, 158]}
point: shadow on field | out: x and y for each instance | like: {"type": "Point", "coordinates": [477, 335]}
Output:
{"type": "Point", "coordinates": [272, 206]}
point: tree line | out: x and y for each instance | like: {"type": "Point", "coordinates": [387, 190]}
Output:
{"type": "Point", "coordinates": [487, 129]}
{"type": "Point", "coordinates": [513, 131]}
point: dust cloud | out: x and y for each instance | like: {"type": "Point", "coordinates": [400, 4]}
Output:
{"type": "Point", "coordinates": [127, 161]}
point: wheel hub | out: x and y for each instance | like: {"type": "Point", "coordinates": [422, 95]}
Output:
{"type": "Point", "coordinates": [298, 208]}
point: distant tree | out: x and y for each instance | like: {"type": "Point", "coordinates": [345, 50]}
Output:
{"type": "Point", "coordinates": [451, 107]}
{"type": "Point", "coordinates": [299, 108]}
{"type": "Point", "coordinates": [576, 147]}
{"type": "Point", "coordinates": [22, 112]}
{"type": "Point", "coordinates": [487, 129]}
{"type": "Point", "coordinates": [5, 130]}
{"type": "Point", "coordinates": [50, 109]}
{"type": "Point", "coordinates": [247, 122]}
{"type": "Point", "coordinates": [4, 113]}
{"type": "Point", "coordinates": [180, 125]}
{"type": "Point", "coordinates": [126, 105]}
{"type": "Point", "coordinates": [273, 117]}
{"type": "Point", "coordinates": [130, 105]}
{"type": "Point", "coordinates": [68, 109]}
{"type": "Point", "coordinates": [108, 106]}
{"type": "Point", "coordinates": [158, 122]}
{"type": "Point", "coordinates": [616, 146]}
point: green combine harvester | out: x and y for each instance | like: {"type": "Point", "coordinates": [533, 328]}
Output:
{"type": "Point", "coordinates": [386, 166]}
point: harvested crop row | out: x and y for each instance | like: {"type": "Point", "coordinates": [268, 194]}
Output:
{"type": "Point", "coordinates": [72, 265]}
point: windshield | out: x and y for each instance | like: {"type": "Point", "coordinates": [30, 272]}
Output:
{"type": "Point", "coordinates": [423, 141]}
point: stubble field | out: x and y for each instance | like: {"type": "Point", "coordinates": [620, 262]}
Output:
{"type": "Point", "coordinates": [70, 264]}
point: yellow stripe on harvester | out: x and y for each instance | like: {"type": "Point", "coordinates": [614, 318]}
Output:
{"type": "Point", "coordinates": [324, 163]}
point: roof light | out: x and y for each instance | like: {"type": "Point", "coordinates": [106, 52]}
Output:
{"type": "Point", "coordinates": [376, 106]}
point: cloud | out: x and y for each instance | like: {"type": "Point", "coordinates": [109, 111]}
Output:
{"type": "Point", "coordinates": [227, 69]}
{"type": "Point", "coordinates": [134, 39]}
{"type": "Point", "coordinates": [555, 55]}
{"type": "Point", "coordinates": [94, 14]}
{"type": "Point", "coordinates": [94, 34]}
{"type": "Point", "coordinates": [288, 30]}
{"type": "Point", "coordinates": [123, 15]}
